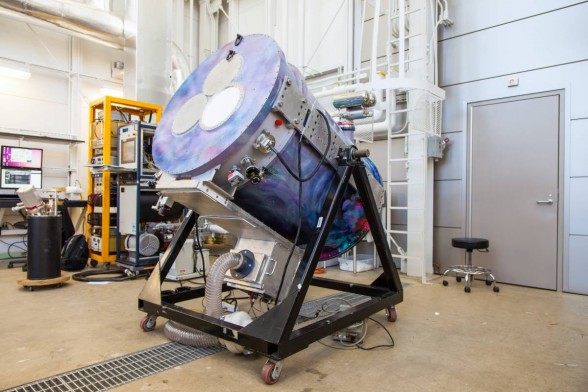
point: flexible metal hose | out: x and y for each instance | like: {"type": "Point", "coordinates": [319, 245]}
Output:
{"type": "Point", "coordinates": [213, 294]}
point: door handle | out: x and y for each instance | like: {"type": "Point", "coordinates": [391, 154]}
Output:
{"type": "Point", "coordinates": [549, 201]}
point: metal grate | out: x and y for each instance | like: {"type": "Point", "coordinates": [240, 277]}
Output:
{"type": "Point", "coordinates": [314, 309]}
{"type": "Point", "coordinates": [122, 370]}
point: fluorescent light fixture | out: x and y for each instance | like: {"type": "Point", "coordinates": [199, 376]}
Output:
{"type": "Point", "coordinates": [112, 92]}
{"type": "Point", "coordinates": [15, 72]}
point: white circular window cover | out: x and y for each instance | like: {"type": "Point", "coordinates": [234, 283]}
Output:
{"type": "Point", "coordinates": [221, 106]}
{"type": "Point", "coordinates": [222, 75]}
{"type": "Point", "coordinates": [189, 114]}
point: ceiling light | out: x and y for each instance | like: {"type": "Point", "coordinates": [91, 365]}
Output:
{"type": "Point", "coordinates": [15, 72]}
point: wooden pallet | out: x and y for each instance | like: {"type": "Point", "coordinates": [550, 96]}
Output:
{"type": "Point", "coordinates": [30, 284]}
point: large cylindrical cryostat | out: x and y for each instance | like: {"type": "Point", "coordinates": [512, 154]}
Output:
{"type": "Point", "coordinates": [239, 110]}
{"type": "Point", "coordinates": [44, 247]}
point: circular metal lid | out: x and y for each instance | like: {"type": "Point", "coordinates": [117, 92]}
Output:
{"type": "Point", "coordinates": [218, 107]}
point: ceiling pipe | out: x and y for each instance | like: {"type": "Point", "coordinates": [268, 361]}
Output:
{"type": "Point", "coordinates": [83, 21]}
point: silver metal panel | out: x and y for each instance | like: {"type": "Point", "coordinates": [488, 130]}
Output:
{"type": "Point", "coordinates": [577, 272]}
{"type": "Point", "coordinates": [579, 206]}
{"type": "Point", "coordinates": [487, 55]}
{"type": "Point", "coordinates": [450, 167]}
{"type": "Point", "coordinates": [448, 206]}
{"type": "Point", "coordinates": [579, 148]}
{"type": "Point", "coordinates": [302, 115]}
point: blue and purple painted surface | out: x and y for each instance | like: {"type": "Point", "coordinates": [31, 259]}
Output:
{"type": "Point", "coordinates": [275, 200]}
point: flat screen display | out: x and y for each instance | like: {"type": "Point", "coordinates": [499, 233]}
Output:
{"type": "Point", "coordinates": [15, 178]}
{"type": "Point", "coordinates": [19, 157]}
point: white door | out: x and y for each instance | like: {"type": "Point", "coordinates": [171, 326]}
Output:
{"type": "Point", "coordinates": [513, 187]}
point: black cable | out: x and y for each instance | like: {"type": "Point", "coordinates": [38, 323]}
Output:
{"type": "Point", "coordinates": [197, 238]}
{"type": "Point", "coordinates": [299, 220]}
{"type": "Point", "coordinates": [380, 345]}
{"type": "Point", "coordinates": [87, 276]}
{"type": "Point", "coordinates": [317, 167]}
{"type": "Point", "coordinates": [301, 180]}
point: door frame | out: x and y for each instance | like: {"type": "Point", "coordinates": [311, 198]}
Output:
{"type": "Point", "coordinates": [561, 183]}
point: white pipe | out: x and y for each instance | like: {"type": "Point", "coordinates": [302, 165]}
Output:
{"type": "Point", "coordinates": [191, 41]}
{"type": "Point", "coordinates": [301, 24]}
{"type": "Point", "coordinates": [204, 32]}
{"type": "Point", "coordinates": [374, 56]}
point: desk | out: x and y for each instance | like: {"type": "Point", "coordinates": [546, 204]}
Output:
{"type": "Point", "coordinates": [67, 224]}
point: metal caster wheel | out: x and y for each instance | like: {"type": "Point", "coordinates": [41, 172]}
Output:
{"type": "Point", "coordinates": [391, 314]}
{"type": "Point", "coordinates": [93, 263]}
{"type": "Point", "coordinates": [29, 288]}
{"type": "Point", "coordinates": [445, 283]}
{"type": "Point", "coordinates": [458, 279]}
{"type": "Point", "coordinates": [496, 289]}
{"type": "Point", "coordinates": [148, 323]}
{"type": "Point", "coordinates": [59, 285]}
{"type": "Point", "coordinates": [270, 372]}
{"type": "Point", "coordinates": [467, 289]}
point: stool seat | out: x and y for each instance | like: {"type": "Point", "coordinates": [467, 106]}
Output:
{"type": "Point", "coordinates": [470, 243]}
{"type": "Point", "coordinates": [467, 270]}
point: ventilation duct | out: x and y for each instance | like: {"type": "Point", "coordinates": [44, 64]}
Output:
{"type": "Point", "coordinates": [87, 22]}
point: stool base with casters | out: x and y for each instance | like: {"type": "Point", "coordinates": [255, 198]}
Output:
{"type": "Point", "coordinates": [469, 271]}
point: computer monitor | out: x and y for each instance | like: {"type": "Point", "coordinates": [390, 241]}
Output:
{"type": "Point", "coordinates": [16, 178]}
{"type": "Point", "coordinates": [20, 157]}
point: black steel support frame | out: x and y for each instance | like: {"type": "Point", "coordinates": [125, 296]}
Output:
{"type": "Point", "coordinates": [272, 334]}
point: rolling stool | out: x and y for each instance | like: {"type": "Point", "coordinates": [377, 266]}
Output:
{"type": "Point", "coordinates": [468, 270]}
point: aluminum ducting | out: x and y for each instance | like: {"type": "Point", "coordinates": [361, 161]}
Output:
{"type": "Point", "coordinates": [214, 283]}
{"type": "Point", "coordinates": [100, 25]}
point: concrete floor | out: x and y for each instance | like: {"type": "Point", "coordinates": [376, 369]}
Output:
{"type": "Point", "coordinates": [518, 340]}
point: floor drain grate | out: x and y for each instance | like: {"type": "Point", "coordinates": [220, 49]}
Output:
{"type": "Point", "coordinates": [128, 368]}
{"type": "Point", "coordinates": [122, 370]}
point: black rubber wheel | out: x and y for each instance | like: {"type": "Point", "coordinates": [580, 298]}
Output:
{"type": "Point", "coordinates": [445, 283]}
{"type": "Point", "coordinates": [29, 288]}
{"type": "Point", "coordinates": [24, 268]}
{"type": "Point", "coordinates": [269, 374]}
{"type": "Point", "coordinates": [458, 278]}
{"type": "Point", "coordinates": [93, 263]}
{"type": "Point", "coordinates": [488, 283]}
{"type": "Point", "coordinates": [148, 323]}
{"type": "Point", "coordinates": [467, 289]}
{"type": "Point", "coordinates": [10, 265]}
{"type": "Point", "coordinates": [59, 284]}
{"type": "Point", "coordinates": [496, 289]}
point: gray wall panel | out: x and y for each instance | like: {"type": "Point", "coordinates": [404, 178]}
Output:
{"type": "Point", "coordinates": [578, 271]}
{"type": "Point", "coordinates": [445, 255]}
{"type": "Point", "coordinates": [449, 205]}
{"type": "Point", "coordinates": [579, 148]}
{"type": "Point", "coordinates": [473, 15]}
{"type": "Point", "coordinates": [579, 206]}
{"type": "Point", "coordinates": [516, 47]}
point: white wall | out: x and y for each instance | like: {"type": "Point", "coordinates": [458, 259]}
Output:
{"type": "Point", "coordinates": [542, 43]}
{"type": "Point", "coordinates": [66, 74]}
